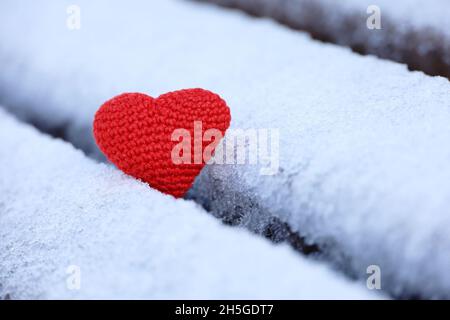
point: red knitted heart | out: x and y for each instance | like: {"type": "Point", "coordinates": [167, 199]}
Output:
{"type": "Point", "coordinates": [135, 132]}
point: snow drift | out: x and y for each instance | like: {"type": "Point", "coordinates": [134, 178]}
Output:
{"type": "Point", "coordinates": [61, 213]}
{"type": "Point", "coordinates": [410, 31]}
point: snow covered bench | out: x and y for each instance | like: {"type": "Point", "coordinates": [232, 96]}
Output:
{"type": "Point", "coordinates": [408, 31]}
{"type": "Point", "coordinates": [364, 151]}
{"type": "Point", "coordinates": [62, 216]}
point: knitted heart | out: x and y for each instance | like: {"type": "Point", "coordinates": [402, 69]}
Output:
{"type": "Point", "coordinates": [142, 135]}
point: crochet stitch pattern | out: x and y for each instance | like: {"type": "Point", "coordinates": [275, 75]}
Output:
{"type": "Point", "coordinates": [134, 131]}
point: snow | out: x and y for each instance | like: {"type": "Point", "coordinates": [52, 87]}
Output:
{"type": "Point", "coordinates": [363, 142]}
{"type": "Point", "coordinates": [409, 13]}
{"type": "Point", "coordinates": [411, 32]}
{"type": "Point", "coordinates": [59, 209]}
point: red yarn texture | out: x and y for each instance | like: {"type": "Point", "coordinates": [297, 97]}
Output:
{"type": "Point", "coordinates": [135, 131]}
